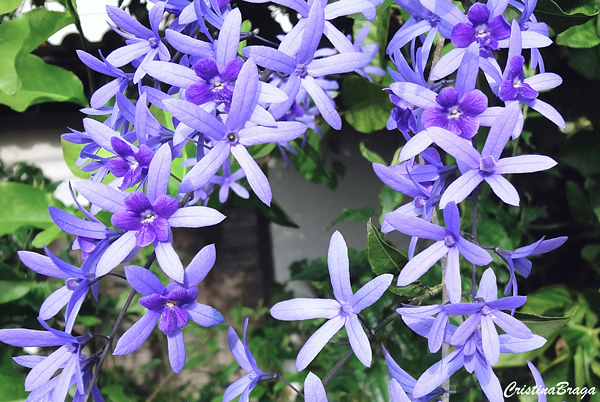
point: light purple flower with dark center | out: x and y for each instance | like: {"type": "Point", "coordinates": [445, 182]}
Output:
{"type": "Point", "coordinates": [143, 44]}
{"type": "Point", "coordinates": [514, 83]}
{"type": "Point", "coordinates": [216, 86]}
{"type": "Point", "coordinates": [170, 307]}
{"type": "Point", "coordinates": [242, 354]}
{"type": "Point", "coordinates": [148, 218]}
{"type": "Point", "coordinates": [517, 260]}
{"type": "Point", "coordinates": [67, 357]}
{"type": "Point", "coordinates": [484, 313]}
{"type": "Point", "coordinates": [482, 28]}
{"type": "Point", "coordinates": [449, 242]}
{"type": "Point", "coordinates": [488, 166]}
{"type": "Point", "coordinates": [343, 311]}
{"type": "Point", "coordinates": [130, 164]}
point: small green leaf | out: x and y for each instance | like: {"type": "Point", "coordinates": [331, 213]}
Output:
{"type": "Point", "coordinates": [307, 160]}
{"type": "Point", "coordinates": [580, 36]}
{"type": "Point", "coordinates": [370, 155]}
{"type": "Point", "coordinates": [22, 206]}
{"type": "Point", "coordinates": [368, 105]}
{"type": "Point", "coordinates": [356, 215]}
{"type": "Point", "coordinates": [89, 320]}
{"type": "Point", "coordinates": [47, 236]}
{"type": "Point", "coordinates": [7, 6]}
{"type": "Point", "coordinates": [546, 327]}
{"type": "Point", "coordinates": [115, 393]}
{"type": "Point", "coordinates": [10, 290]}
{"type": "Point", "coordinates": [382, 257]}
{"type": "Point", "coordinates": [71, 152]}
{"type": "Point", "coordinates": [260, 150]}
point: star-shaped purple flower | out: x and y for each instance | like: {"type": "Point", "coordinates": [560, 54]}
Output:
{"type": "Point", "coordinates": [343, 311]}
{"type": "Point", "coordinates": [170, 307]}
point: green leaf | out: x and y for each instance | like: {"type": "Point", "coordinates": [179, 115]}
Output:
{"type": "Point", "coordinates": [41, 82]}
{"type": "Point", "coordinates": [260, 150]}
{"type": "Point", "coordinates": [22, 206]}
{"type": "Point", "coordinates": [389, 199]}
{"type": "Point", "coordinates": [47, 236]}
{"type": "Point", "coordinates": [7, 6]}
{"type": "Point", "coordinates": [580, 36]}
{"type": "Point", "coordinates": [10, 290]}
{"type": "Point", "coordinates": [89, 320]}
{"type": "Point", "coordinates": [21, 36]}
{"type": "Point", "coordinates": [71, 152]}
{"type": "Point", "coordinates": [546, 327]}
{"type": "Point", "coordinates": [416, 292]}
{"type": "Point", "coordinates": [382, 257]}
{"type": "Point", "coordinates": [115, 393]}
{"type": "Point", "coordinates": [370, 155]}
{"type": "Point", "coordinates": [586, 62]}
{"type": "Point", "coordinates": [368, 105]}
{"type": "Point", "coordinates": [581, 152]}
{"type": "Point", "coordinates": [307, 160]}
{"type": "Point", "coordinates": [356, 215]}
{"type": "Point", "coordinates": [579, 204]}
{"type": "Point", "coordinates": [563, 14]}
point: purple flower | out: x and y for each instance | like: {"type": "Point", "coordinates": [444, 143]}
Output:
{"type": "Point", "coordinates": [67, 357]}
{"type": "Point", "coordinates": [488, 166]}
{"type": "Point", "coordinates": [343, 311]}
{"type": "Point", "coordinates": [170, 307]}
{"type": "Point", "coordinates": [216, 86]}
{"type": "Point", "coordinates": [244, 357]}
{"type": "Point", "coordinates": [402, 383]}
{"type": "Point", "coordinates": [130, 164]}
{"type": "Point", "coordinates": [448, 242]}
{"type": "Point", "coordinates": [228, 181]}
{"type": "Point", "coordinates": [102, 95]}
{"type": "Point", "coordinates": [514, 83]}
{"type": "Point", "coordinates": [482, 28]}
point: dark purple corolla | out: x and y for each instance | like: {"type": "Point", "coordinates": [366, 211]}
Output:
{"type": "Point", "coordinates": [170, 307]}
{"type": "Point", "coordinates": [482, 27]}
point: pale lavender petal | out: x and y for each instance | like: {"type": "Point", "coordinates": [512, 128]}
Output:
{"type": "Point", "coordinates": [461, 188]}
{"type": "Point", "coordinates": [458, 147]}
{"type": "Point", "coordinates": [268, 93]}
{"type": "Point", "coordinates": [204, 315]}
{"type": "Point", "coordinates": [305, 309]}
{"type": "Point", "coordinates": [452, 279]}
{"type": "Point", "coordinates": [397, 373]}
{"type": "Point", "coordinates": [169, 261]}
{"type": "Point", "coordinates": [488, 289]}
{"type": "Point", "coordinates": [467, 72]}
{"type": "Point", "coordinates": [291, 88]}
{"type": "Point", "coordinates": [539, 381]}
{"type": "Point", "coordinates": [29, 337]}
{"type": "Point", "coordinates": [370, 292]}
{"type": "Point", "coordinates": [191, 46]}
{"type": "Point", "coordinates": [489, 340]}
{"type": "Point", "coordinates": [397, 393]}
{"type": "Point", "coordinates": [41, 264]}
{"type": "Point", "coordinates": [501, 131]}
{"type": "Point", "coordinates": [285, 131]}
{"type": "Point", "coordinates": [414, 226]}
{"type": "Point", "coordinates": [126, 54]}
{"type": "Point", "coordinates": [313, 389]}
{"type": "Point", "coordinates": [238, 351]}
{"type": "Point", "coordinates": [74, 304]}
{"type": "Point", "coordinates": [256, 177]}
{"type": "Point", "coordinates": [237, 387]}
{"type": "Point", "coordinates": [415, 94]}
{"type": "Point", "coordinates": [137, 334]}
{"type": "Point", "coordinates": [143, 281]}
{"type": "Point", "coordinates": [547, 111]}
{"type": "Point", "coordinates": [510, 344]}
{"type": "Point", "coordinates": [445, 10]}
{"type": "Point", "coordinates": [127, 23]}
{"type": "Point", "coordinates": [79, 227]}
{"type": "Point", "coordinates": [324, 103]}
{"type": "Point", "coordinates": [339, 268]}
{"type": "Point", "coordinates": [271, 58]}
{"type": "Point", "coordinates": [524, 164]}
{"type": "Point", "coordinates": [41, 373]}
{"type": "Point", "coordinates": [101, 195]}
{"type": "Point", "coordinates": [359, 342]}
{"type": "Point", "coordinates": [533, 40]}
{"type": "Point", "coordinates": [437, 332]}
{"type": "Point", "coordinates": [340, 63]}
{"type": "Point", "coordinates": [200, 266]}
{"type": "Point", "coordinates": [55, 302]}
{"type": "Point", "coordinates": [195, 117]}
{"type": "Point", "coordinates": [511, 325]}
{"type": "Point", "coordinates": [244, 97]}
{"type": "Point", "coordinates": [435, 375]}
{"type": "Point", "coordinates": [317, 341]}
{"type": "Point", "coordinates": [159, 173]}
{"type": "Point", "coordinates": [448, 64]}
{"type": "Point", "coordinates": [229, 39]}
{"type": "Point", "coordinates": [116, 253]}
{"type": "Point", "coordinates": [415, 146]}
{"type": "Point", "coordinates": [171, 73]}
{"type": "Point", "coordinates": [176, 347]}
{"type": "Point", "coordinates": [99, 133]}
{"type": "Point", "coordinates": [490, 385]}
{"type": "Point", "coordinates": [407, 33]}
{"type": "Point", "coordinates": [542, 82]}
{"type": "Point", "coordinates": [195, 217]}
{"type": "Point", "coordinates": [206, 168]}
{"type": "Point", "coordinates": [261, 117]}
{"type": "Point", "coordinates": [64, 380]}
{"type": "Point", "coordinates": [311, 36]}
{"type": "Point", "coordinates": [489, 116]}
{"type": "Point", "coordinates": [473, 253]}
{"type": "Point", "coordinates": [421, 263]}
{"type": "Point", "coordinates": [28, 361]}
{"type": "Point", "coordinates": [105, 93]}
{"type": "Point", "coordinates": [337, 38]}
{"type": "Point", "coordinates": [503, 189]}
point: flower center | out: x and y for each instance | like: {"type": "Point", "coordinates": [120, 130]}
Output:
{"type": "Point", "coordinates": [481, 31]}
{"type": "Point", "coordinates": [346, 309]}
{"type": "Point", "coordinates": [419, 202]}
{"type": "Point", "coordinates": [232, 138]}
{"type": "Point", "coordinates": [455, 113]}
{"type": "Point", "coordinates": [450, 240]}
{"type": "Point", "coordinates": [301, 71]}
{"type": "Point", "coordinates": [133, 163]}
{"type": "Point", "coordinates": [487, 164]}
{"type": "Point", "coordinates": [153, 43]}
{"type": "Point", "coordinates": [72, 283]}
{"type": "Point", "coordinates": [171, 304]}
{"type": "Point", "coordinates": [517, 83]}
{"type": "Point", "coordinates": [148, 216]}
{"type": "Point", "coordinates": [217, 84]}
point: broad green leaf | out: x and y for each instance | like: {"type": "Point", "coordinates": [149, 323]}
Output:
{"type": "Point", "coordinates": [416, 292]}
{"type": "Point", "coordinates": [580, 36]}
{"type": "Point", "coordinates": [7, 6]}
{"type": "Point", "coordinates": [23, 35]}
{"type": "Point", "coordinates": [41, 82]}
{"type": "Point", "coordinates": [368, 105]}
{"type": "Point", "coordinates": [546, 327]}
{"type": "Point", "coordinates": [71, 152]}
{"type": "Point", "coordinates": [552, 298]}
{"type": "Point", "coordinates": [370, 155]}
{"type": "Point", "coordinates": [260, 150]}
{"type": "Point", "coordinates": [356, 215]}
{"type": "Point", "coordinates": [581, 152]}
{"type": "Point", "coordinates": [246, 27]}
{"type": "Point", "coordinates": [47, 236]}
{"type": "Point", "coordinates": [10, 290]}
{"type": "Point", "coordinates": [307, 160]}
{"type": "Point", "coordinates": [563, 14]}
{"type": "Point", "coordinates": [579, 203]}
{"type": "Point", "coordinates": [22, 206]}
{"type": "Point", "coordinates": [382, 257]}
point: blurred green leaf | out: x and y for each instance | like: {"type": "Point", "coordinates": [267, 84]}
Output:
{"type": "Point", "coordinates": [370, 155]}
{"type": "Point", "coordinates": [70, 154]}
{"type": "Point", "coordinates": [579, 204]}
{"type": "Point", "coordinates": [546, 327]}
{"type": "Point", "coordinates": [260, 150]}
{"type": "Point", "coordinates": [563, 14]}
{"type": "Point", "coordinates": [368, 104]}
{"type": "Point", "coordinates": [307, 160]}
{"type": "Point", "coordinates": [382, 257]}
{"type": "Point", "coordinates": [22, 206]}
{"type": "Point", "coordinates": [586, 62]}
{"type": "Point", "coordinates": [10, 290]}
{"type": "Point", "coordinates": [581, 152]}
{"type": "Point", "coordinates": [274, 213]}
{"type": "Point", "coordinates": [580, 36]}
{"type": "Point", "coordinates": [356, 215]}
{"type": "Point", "coordinates": [47, 236]}
{"type": "Point", "coordinates": [41, 82]}
{"type": "Point", "coordinates": [7, 6]}
{"type": "Point", "coordinates": [389, 199]}
{"type": "Point", "coordinates": [115, 393]}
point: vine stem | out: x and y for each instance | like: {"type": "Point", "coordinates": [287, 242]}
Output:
{"type": "Point", "coordinates": [390, 318]}
{"type": "Point", "coordinates": [113, 332]}
{"type": "Point", "coordinates": [289, 384]}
